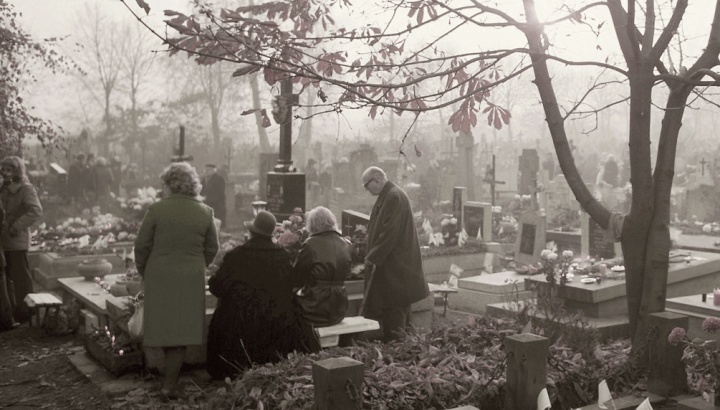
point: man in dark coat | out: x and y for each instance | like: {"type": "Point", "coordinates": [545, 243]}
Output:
{"type": "Point", "coordinates": [394, 277]}
{"type": "Point", "coordinates": [214, 191]}
{"type": "Point", "coordinates": [254, 321]}
{"type": "Point", "coordinates": [76, 180]}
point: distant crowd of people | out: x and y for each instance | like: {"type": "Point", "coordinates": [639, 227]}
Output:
{"type": "Point", "coordinates": [269, 305]}
{"type": "Point", "coordinates": [90, 180]}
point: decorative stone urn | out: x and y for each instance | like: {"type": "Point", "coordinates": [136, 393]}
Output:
{"type": "Point", "coordinates": [94, 268]}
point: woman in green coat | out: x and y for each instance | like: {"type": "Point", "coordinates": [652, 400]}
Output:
{"type": "Point", "coordinates": [177, 240]}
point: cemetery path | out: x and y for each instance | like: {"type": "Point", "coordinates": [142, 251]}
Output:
{"type": "Point", "coordinates": [36, 373]}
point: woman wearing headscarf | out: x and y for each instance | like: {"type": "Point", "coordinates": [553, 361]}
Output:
{"type": "Point", "coordinates": [176, 242]}
{"type": "Point", "coordinates": [254, 321]}
{"type": "Point", "coordinates": [22, 209]}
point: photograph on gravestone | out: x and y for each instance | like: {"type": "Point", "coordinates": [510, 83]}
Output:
{"type": "Point", "coordinates": [527, 238]}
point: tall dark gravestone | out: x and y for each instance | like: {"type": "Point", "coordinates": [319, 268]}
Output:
{"type": "Point", "coordinates": [530, 239]}
{"type": "Point", "coordinates": [594, 242]}
{"type": "Point", "coordinates": [285, 189]}
{"type": "Point", "coordinates": [458, 200]}
{"type": "Point", "coordinates": [266, 163]}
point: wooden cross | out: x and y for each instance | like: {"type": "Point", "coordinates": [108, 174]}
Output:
{"type": "Point", "coordinates": [180, 151]}
{"type": "Point", "coordinates": [702, 163]}
{"type": "Point", "coordinates": [282, 113]}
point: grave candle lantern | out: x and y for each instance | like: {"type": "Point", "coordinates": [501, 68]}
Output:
{"type": "Point", "coordinates": [716, 297]}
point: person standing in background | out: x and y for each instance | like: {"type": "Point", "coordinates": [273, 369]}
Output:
{"type": "Point", "coordinates": [22, 209]}
{"type": "Point", "coordinates": [90, 189]}
{"type": "Point", "coordinates": [394, 277]}
{"type": "Point", "coordinates": [213, 189]}
{"type": "Point", "coordinates": [104, 181]}
{"type": "Point", "coordinates": [76, 181]}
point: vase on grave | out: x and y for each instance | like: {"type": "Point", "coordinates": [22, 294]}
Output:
{"type": "Point", "coordinates": [716, 297]}
{"type": "Point", "coordinates": [94, 268]}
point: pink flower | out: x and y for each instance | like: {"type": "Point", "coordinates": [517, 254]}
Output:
{"type": "Point", "coordinates": [676, 336]}
{"type": "Point", "coordinates": [711, 324]}
{"type": "Point", "coordinates": [287, 238]}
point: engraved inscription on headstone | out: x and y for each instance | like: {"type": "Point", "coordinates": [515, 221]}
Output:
{"type": "Point", "coordinates": [599, 246]}
{"type": "Point", "coordinates": [531, 238]}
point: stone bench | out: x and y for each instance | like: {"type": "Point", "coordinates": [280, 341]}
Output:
{"type": "Point", "coordinates": [330, 335]}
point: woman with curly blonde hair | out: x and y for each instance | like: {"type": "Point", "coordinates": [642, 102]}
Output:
{"type": "Point", "coordinates": [22, 209]}
{"type": "Point", "coordinates": [177, 240]}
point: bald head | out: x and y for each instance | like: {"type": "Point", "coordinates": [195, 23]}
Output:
{"type": "Point", "coordinates": [374, 180]}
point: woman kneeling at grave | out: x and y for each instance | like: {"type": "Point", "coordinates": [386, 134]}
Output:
{"type": "Point", "coordinates": [320, 270]}
{"type": "Point", "coordinates": [176, 242]}
{"type": "Point", "coordinates": [254, 321]}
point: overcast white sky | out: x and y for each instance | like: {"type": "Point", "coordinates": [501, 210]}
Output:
{"type": "Point", "coordinates": [51, 18]}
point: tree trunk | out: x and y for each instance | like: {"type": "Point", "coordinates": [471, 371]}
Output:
{"type": "Point", "coordinates": [264, 142]}
{"type": "Point", "coordinates": [106, 138]}
{"type": "Point", "coordinates": [654, 286]}
{"type": "Point", "coordinates": [555, 120]}
{"type": "Point", "coordinates": [637, 223]}
{"type": "Point", "coordinates": [215, 119]}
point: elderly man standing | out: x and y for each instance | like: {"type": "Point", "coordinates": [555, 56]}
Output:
{"type": "Point", "coordinates": [394, 276]}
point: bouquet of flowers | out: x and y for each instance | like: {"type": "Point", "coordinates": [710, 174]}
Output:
{"type": "Point", "coordinates": [292, 233]}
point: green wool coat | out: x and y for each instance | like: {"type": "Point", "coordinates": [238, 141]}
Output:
{"type": "Point", "coordinates": [176, 241]}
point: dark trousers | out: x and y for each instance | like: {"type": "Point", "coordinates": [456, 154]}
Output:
{"type": "Point", "coordinates": [393, 321]}
{"type": "Point", "coordinates": [18, 271]}
{"type": "Point", "coordinates": [6, 308]}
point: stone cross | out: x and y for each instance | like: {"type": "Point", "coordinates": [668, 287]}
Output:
{"type": "Point", "coordinates": [282, 114]}
{"type": "Point", "coordinates": [180, 152]}
{"type": "Point", "coordinates": [529, 164]}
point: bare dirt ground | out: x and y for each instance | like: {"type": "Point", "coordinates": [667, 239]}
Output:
{"type": "Point", "coordinates": [40, 372]}
{"type": "Point", "coordinates": [35, 373]}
